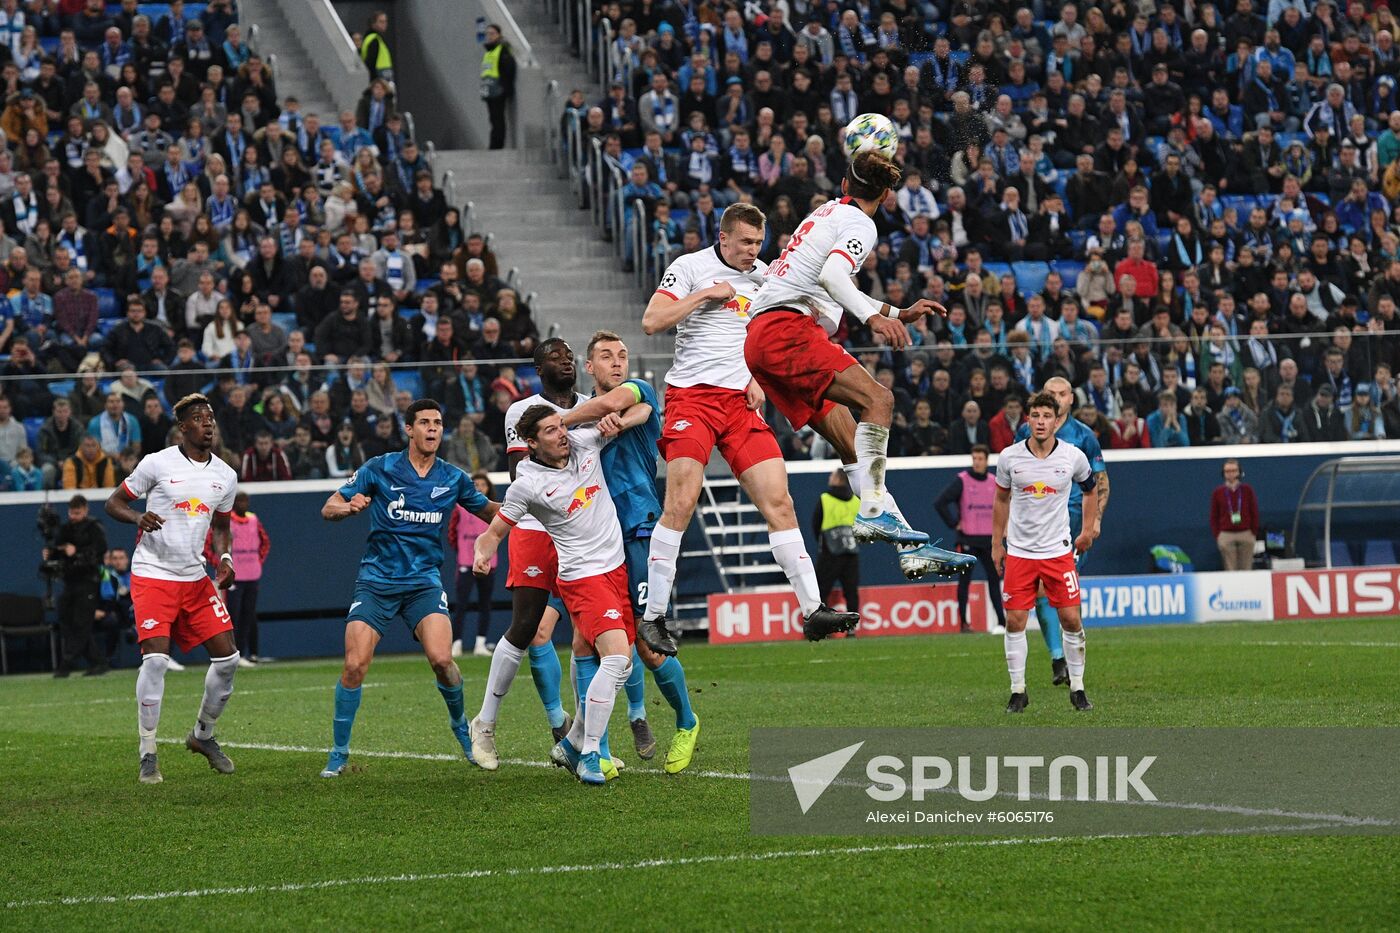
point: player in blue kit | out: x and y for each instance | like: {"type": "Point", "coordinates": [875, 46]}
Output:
{"type": "Point", "coordinates": [410, 495]}
{"type": "Point", "coordinates": [630, 410]}
{"type": "Point", "coordinates": [1076, 432]}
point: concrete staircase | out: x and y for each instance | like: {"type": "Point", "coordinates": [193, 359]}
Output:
{"type": "Point", "coordinates": [294, 73]}
{"type": "Point", "coordinates": [536, 226]}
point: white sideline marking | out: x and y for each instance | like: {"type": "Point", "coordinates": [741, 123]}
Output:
{"type": "Point", "coordinates": [1332, 819]}
{"type": "Point", "coordinates": [127, 699]}
{"type": "Point", "coordinates": [1323, 643]}
{"type": "Point", "coordinates": [296, 886]}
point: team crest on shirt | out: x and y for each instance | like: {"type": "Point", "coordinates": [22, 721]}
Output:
{"type": "Point", "coordinates": [1039, 490]}
{"type": "Point", "coordinates": [149, 624]}
{"type": "Point", "coordinates": [583, 498]}
{"type": "Point", "coordinates": [439, 490]}
{"type": "Point", "coordinates": [533, 571]}
{"type": "Point", "coordinates": [681, 425]}
{"type": "Point", "coordinates": [612, 614]}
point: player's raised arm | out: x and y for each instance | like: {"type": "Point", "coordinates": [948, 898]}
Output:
{"type": "Point", "coordinates": [616, 401]}
{"type": "Point", "coordinates": [665, 311]}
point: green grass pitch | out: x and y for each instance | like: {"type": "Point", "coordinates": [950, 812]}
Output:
{"type": "Point", "coordinates": [425, 840]}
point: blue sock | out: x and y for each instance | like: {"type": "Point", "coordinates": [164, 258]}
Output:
{"type": "Point", "coordinates": [545, 671]}
{"type": "Point", "coordinates": [587, 666]}
{"type": "Point", "coordinates": [347, 703]}
{"type": "Point", "coordinates": [670, 680]}
{"type": "Point", "coordinates": [1049, 626]}
{"type": "Point", "coordinates": [636, 690]}
{"type": "Point", "coordinates": [452, 696]}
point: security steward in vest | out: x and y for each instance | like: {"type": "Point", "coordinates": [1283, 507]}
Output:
{"type": "Point", "coordinates": [497, 82]}
{"type": "Point", "coordinates": [966, 507]}
{"type": "Point", "coordinates": [838, 558]}
{"type": "Point", "coordinates": [374, 48]}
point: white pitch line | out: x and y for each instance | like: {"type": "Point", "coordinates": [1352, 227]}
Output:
{"type": "Point", "coordinates": [1324, 644]}
{"type": "Point", "coordinates": [126, 699]}
{"type": "Point", "coordinates": [685, 861]}
{"type": "Point", "coordinates": [1334, 819]}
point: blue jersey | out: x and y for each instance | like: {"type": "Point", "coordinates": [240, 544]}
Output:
{"type": "Point", "coordinates": [629, 465]}
{"type": "Point", "coordinates": [1082, 436]}
{"type": "Point", "coordinates": [407, 515]}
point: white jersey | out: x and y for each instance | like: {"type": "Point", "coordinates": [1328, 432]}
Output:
{"type": "Point", "coordinates": [1038, 527]}
{"type": "Point", "coordinates": [516, 444]}
{"type": "Point", "coordinates": [573, 505]}
{"type": "Point", "coordinates": [186, 494]}
{"type": "Point", "coordinates": [837, 227]}
{"type": "Point", "coordinates": [710, 341]}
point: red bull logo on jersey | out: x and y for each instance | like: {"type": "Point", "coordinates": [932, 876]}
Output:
{"type": "Point", "coordinates": [583, 498]}
{"type": "Point", "coordinates": [739, 305]}
{"type": "Point", "coordinates": [1039, 490]}
{"type": "Point", "coordinates": [192, 507]}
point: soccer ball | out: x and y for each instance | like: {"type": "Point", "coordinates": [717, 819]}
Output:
{"type": "Point", "coordinates": [871, 132]}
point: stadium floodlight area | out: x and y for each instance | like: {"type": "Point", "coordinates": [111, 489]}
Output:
{"type": "Point", "coordinates": [1349, 513]}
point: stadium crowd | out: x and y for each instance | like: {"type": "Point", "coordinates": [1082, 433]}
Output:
{"type": "Point", "coordinates": [1192, 211]}
{"type": "Point", "coordinates": [164, 213]}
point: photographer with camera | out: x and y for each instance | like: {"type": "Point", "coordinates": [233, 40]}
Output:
{"type": "Point", "coordinates": [75, 555]}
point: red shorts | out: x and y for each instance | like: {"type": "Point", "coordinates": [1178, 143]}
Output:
{"type": "Point", "coordinates": [700, 417]}
{"type": "Point", "coordinates": [600, 604]}
{"type": "Point", "coordinates": [533, 561]}
{"type": "Point", "coordinates": [1058, 574]}
{"type": "Point", "coordinates": [795, 362]}
{"type": "Point", "coordinates": [187, 611]}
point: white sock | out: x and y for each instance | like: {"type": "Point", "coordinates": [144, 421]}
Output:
{"type": "Point", "coordinates": [871, 443]}
{"type": "Point", "coordinates": [1016, 660]}
{"type": "Point", "coordinates": [791, 554]}
{"type": "Point", "coordinates": [150, 688]}
{"type": "Point", "coordinates": [855, 475]}
{"type": "Point", "coordinates": [505, 661]}
{"type": "Point", "coordinates": [218, 687]}
{"type": "Point", "coordinates": [573, 683]}
{"type": "Point", "coordinates": [661, 569]}
{"type": "Point", "coordinates": [613, 672]}
{"type": "Point", "coordinates": [1074, 657]}
{"type": "Point", "coordinates": [480, 642]}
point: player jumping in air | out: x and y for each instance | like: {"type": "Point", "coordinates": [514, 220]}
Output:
{"type": "Point", "coordinates": [1072, 431]}
{"type": "Point", "coordinates": [811, 380]}
{"type": "Point", "coordinates": [713, 401]}
{"type": "Point", "coordinates": [1031, 541]}
{"type": "Point", "coordinates": [533, 584]}
{"type": "Point", "coordinates": [564, 487]}
{"type": "Point", "coordinates": [410, 496]}
{"type": "Point", "coordinates": [189, 493]}
{"type": "Point", "coordinates": [628, 409]}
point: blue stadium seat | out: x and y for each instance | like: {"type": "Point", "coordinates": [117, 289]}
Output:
{"type": "Point", "coordinates": [406, 380]}
{"type": "Point", "coordinates": [1030, 276]}
{"type": "Point", "coordinates": [104, 327]}
{"type": "Point", "coordinates": [60, 387]}
{"type": "Point", "coordinates": [1069, 271]}
{"type": "Point", "coordinates": [31, 431]}
{"type": "Point", "coordinates": [959, 57]}
{"type": "Point", "coordinates": [107, 306]}
{"type": "Point", "coordinates": [1078, 238]}
{"type": "Point", "coordinates": [1164, 240]}
{"type": "Point", "coordinates": [423, 284]}
{"type": "Point", "coordinates": [997, 269]}
{"type": "Point", "coordinates": [917, 59]}
{"type": "Point", "coordinates": [285, 320]}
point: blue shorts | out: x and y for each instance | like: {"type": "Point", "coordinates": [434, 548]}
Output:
{"type": "Point", "coordinates": [378, 606]}
{"type": "Point", "coordinates": [637, 557]}
{"type": "Point", "coordinates": [557, 605]}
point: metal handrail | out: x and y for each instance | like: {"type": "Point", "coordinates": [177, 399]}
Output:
{"type": "Point", "coordinates": [411, 127]}
{"type": "Point", "coordinates": [575, 156]}
{"type": "Point", "coordinates": [429, 154]}
{"type": "Point", "coordinates": [523, 52]}
{"type": "Point", "coordinates": [605, 52]}
{"type": "Point", "coordinates": [469, 218]}
{"type": "Point", "coordinates": [595, 183]}
{"type": "Point", "coordinates": [553, 137]}
{"type": "Point", "coordinates": [511, 275]}
{"type": "Point", "coordinates": [449, 186]}
{"type": "Point", "coordinates": [586, 37]}
{"type": "Point", "coordinates": [641, 251]}
{"type": "Point", "coordinates": [272, 67]}
{"type": "Point", "coordinates": [253, 31]}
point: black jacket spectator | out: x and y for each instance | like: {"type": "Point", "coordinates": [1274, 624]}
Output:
{"type": "Point", "coordinates": [143, 345]}
{"type": "Point", "coordinates": [343, 336]}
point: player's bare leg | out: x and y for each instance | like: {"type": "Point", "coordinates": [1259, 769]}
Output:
{"type": "Point", "coordinates": [528, 605]}
{"type": "Point", "coordinates": [1015, 644]}
{"type": "Point", "coordinates": [218, 687]}
{"type": "Point", "coordinates": [434, 633]}
{"type": "Point", "coordinates": [547, 675]}
{"type": "Point", "coordinates": [1072, 631]}
{"type": "Point", "coordinates": [765, 483]}
{"type": "Point", "coordinates": [684, 477]}
{"type": "Point", "coordinates": [360, 641]}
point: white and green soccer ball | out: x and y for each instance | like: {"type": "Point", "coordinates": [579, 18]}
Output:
{"type": "Point", "coordinates": [871, 132]}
